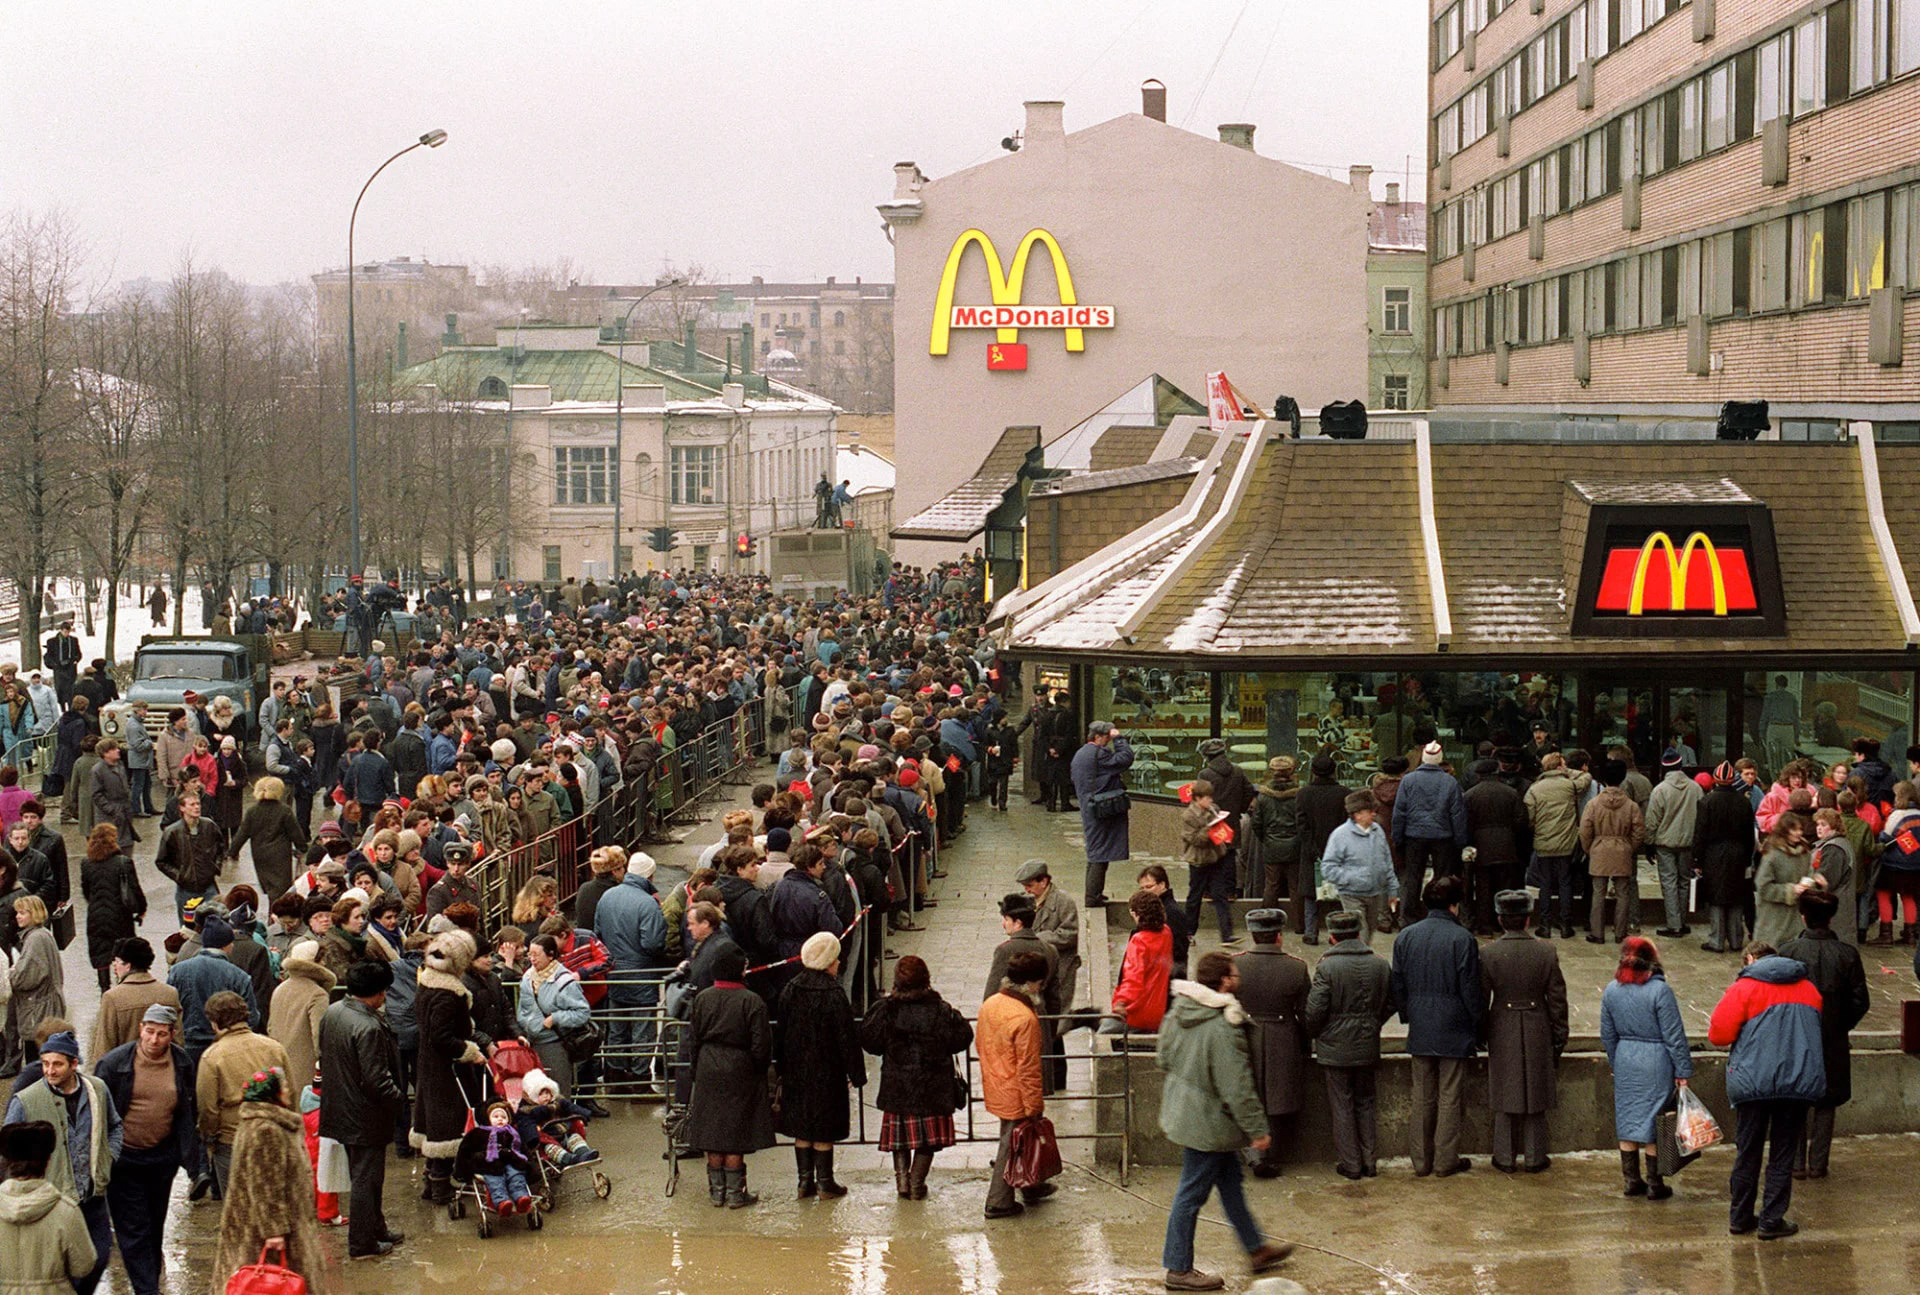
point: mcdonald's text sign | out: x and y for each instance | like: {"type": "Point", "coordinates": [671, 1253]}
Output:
{"type": "Point", "coordinates": [1007, 313]}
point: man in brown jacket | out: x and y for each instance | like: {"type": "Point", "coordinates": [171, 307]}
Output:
{"type": "Point", "coordinates": [133, 992]}
{"type": "Point", "coordinates": [1526, 1030]}
{"type": "Point", "coordinates": [1611, 832]}
{"type": "Point", "coordinates": [227, 1067]}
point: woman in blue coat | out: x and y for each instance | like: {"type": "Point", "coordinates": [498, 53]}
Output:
{"type": "Point", "coordinates": [1646, 1044]}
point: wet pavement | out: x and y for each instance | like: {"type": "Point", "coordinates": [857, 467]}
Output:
{"type": "Point", "coordinates": [1566, 1231]}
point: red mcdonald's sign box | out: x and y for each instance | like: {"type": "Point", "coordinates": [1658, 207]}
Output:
{"type": "Point", "coordinates": [1687, 570]}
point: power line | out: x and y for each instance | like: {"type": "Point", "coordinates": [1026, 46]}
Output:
{"type": "Point", "coordinates": [1125, 27]}
{"type": "Point", "coordinates": [1207, 80]}
{"type": "Point", "coordinates": [1255, 83]}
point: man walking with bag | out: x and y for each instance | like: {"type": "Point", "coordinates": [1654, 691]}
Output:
{"type": "Point", "coordinates": [1210, 1108]}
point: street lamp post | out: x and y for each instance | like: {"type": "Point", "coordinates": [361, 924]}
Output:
{"type": "Point", "coordinates": [619, 404]}
{"type": "Point", "coordinates": [432, 139]}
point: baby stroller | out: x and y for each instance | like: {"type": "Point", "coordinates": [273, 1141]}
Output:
{"type": "Point", "coordinates": [509, 1065]}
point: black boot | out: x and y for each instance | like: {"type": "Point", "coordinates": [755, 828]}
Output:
{"type": "Point", "coordinates": [439, 1189]}
{"type": "Point", "coordinates": [738, 1197]}
{"type": "Point", "coordinates": [823, 1162]}
{"type": "Point", "coordinates": [803, 1157]}
{"type": "Point", "coordinates": [1657, 1189]}
{"type": "Point", "coordinates": [1630, 1170]}
{"type": "Point", "coordinates": [717, 1186]}
{"type": "Point", "coordinates": [902, 1162]}
{"type": "Point", "coordinates": [917, 1175]}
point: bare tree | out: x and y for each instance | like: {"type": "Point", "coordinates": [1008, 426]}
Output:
{"type": "Point", "coordinates": [118, 438]}
{"type": "Point", "coordinates": [40, 407]}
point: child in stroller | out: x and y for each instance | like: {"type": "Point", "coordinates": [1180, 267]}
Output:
{"type": "Point", "coordinates": [554, 1124]}
{"type": "Point", "coordinates": [493, 1152]}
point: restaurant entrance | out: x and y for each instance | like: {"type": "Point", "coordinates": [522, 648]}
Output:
{"type": "Point", "coordinates": [1648, 712]}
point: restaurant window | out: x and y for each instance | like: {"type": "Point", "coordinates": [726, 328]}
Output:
{"type": "Point", "coordinates": [550, 563]}
{"type": "Point", "coordinates": [1165, 713]}
{"type": "Point", "coordinates": [1816, 714]}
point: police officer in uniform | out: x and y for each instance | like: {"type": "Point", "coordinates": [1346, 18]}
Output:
{"type": "Point", "coordinates": [1526, 1031]}
{"type": "Point", "coordinates": [1273, 990]}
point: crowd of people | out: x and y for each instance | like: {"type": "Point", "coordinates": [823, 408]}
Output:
{"type": "Point", "coordinates": [343, 1005]}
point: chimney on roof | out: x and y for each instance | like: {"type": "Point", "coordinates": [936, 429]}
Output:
{"type": "Point", "coordinates": [746, 349]}
{"type": "Point", "coordinates": [1046, 128]}
{"type": "Point", "coordinates": [1361, 178]}
{"type": "Point", "coordinates": [692, 350]}
{"type": "Point", "coordinates": [906, 182]}
{"type": "Point", "coordinates": [1237, 133]}
{"type": "Point", "coordinates": [759, 282]}
{"type": "Point", "coordinates": [400, 351]}
{"type": "Point", "coordinates": [1153, 98]}
{"type": "Point", "coordinates": [452, 336]}
{"type": "Point", "coordinates": [1393, 193]}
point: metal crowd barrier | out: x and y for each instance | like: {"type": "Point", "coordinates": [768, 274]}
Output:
{"type": "Point", "coordinates": [631, 814]}
{"type": "Point", "coordinates": [32, 757]}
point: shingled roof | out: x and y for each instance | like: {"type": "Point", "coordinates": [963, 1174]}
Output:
{"type": "Point", "coordinates": [962, 512]}
{"type": "Point", "coordinates": [1322, 556]}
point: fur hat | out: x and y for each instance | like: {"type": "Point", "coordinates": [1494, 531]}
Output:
{"type": "Point", "coordinates": [451, 952]}
{"type": "Point", "coordinates": [504, 752]}
{"type": "Point", "coordinates": [820, 951]}
{"type": "Point", "coordinates": [308, 949]}
{"type": "Point", "coordinates": [1211, 747]}
{"type": "Point", "coordinates": [409, 841]}
{"type": "Point", "coordinates": [538, 1086]}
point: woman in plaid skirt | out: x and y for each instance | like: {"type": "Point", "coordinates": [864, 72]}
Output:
{"type": "Point", "coordinates": [916, 1033]}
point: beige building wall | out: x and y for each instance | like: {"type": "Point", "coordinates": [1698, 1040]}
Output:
{"type": "Point", "coordinates": [1212, 256]}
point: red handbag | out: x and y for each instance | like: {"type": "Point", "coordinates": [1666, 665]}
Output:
{"type": "Point", "coordinates": [1034, 1155]}
{"type": "Point", "coordinates": [265, 1278]}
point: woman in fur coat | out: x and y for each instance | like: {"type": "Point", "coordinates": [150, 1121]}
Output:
{"type": "Point", "coordinates": [450, 1076]}
{"type": "Point", "coordinates": [269, 1197]}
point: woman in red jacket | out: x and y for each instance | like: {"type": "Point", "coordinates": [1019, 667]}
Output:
{"type": "Point", "coordinates": [1140, 998]}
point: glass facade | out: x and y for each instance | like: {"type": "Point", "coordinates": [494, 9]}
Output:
{"type": "Point", "coordinates": [1816, 715]}
{"type": "Point", "coordinates": [1361, 717]}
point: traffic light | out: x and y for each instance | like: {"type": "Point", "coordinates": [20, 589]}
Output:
{"type": "Point", "coordinates": [660, 539]}
{"type": "Point", "coordinates": [745, 546]}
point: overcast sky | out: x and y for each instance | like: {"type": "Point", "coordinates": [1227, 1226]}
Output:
{"type": "Point", "coordinates": [752, 138]}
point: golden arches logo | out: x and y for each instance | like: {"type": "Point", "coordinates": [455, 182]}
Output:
{"type": "Point", "coordinates": [1677, 568]}
{"type": "Point", "coordinates": [1005, 283]}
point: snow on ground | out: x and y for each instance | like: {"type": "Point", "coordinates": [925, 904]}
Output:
{"type": "Point", "coordinates": [135, 621]}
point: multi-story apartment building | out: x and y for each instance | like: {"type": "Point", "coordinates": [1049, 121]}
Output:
{"type": "Point", "coordinates": [1397, 298]}
{"type": "Point", "coordinates": [1643, 208]}
{"type": "Point", "coordinates": [833, 337]}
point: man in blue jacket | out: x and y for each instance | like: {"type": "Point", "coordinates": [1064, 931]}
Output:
{"type": "Point", "coordinates": [1437, 991]}
{"type": "Point", "coordinates": [629, 922]}
{"type": "Point", "coordinates": [150, 1155]}
{"type": "Point", "coordinates": [1429, 827]}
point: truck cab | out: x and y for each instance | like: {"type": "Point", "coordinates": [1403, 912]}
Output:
{"type": "Point", "coordinates": [165, 670]}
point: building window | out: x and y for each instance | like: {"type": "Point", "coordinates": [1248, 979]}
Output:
{"type": "Point", "coordinates": [580, 475]}
{"type": "Point", "coordinates": [701, 557]}
{"type": "Point", "coordinates": [766, 320]}
{"type": "Point", "coordinates": [1397, 311]}
{"type": "Point", "coordinates": [839, 347]}
{"type": "Point", "coordinates": [1394, 391]}
{"type": "Point", "coordinates": [692, 470]}
{"type": "Point", "coordinates": [839, 319]}
{"type": "Point", "coordinates": [492, 389]}
{"type": "Point", "coordinates": [1810, 65]}
{"type": "Point", "coordinates": [550, 563]}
